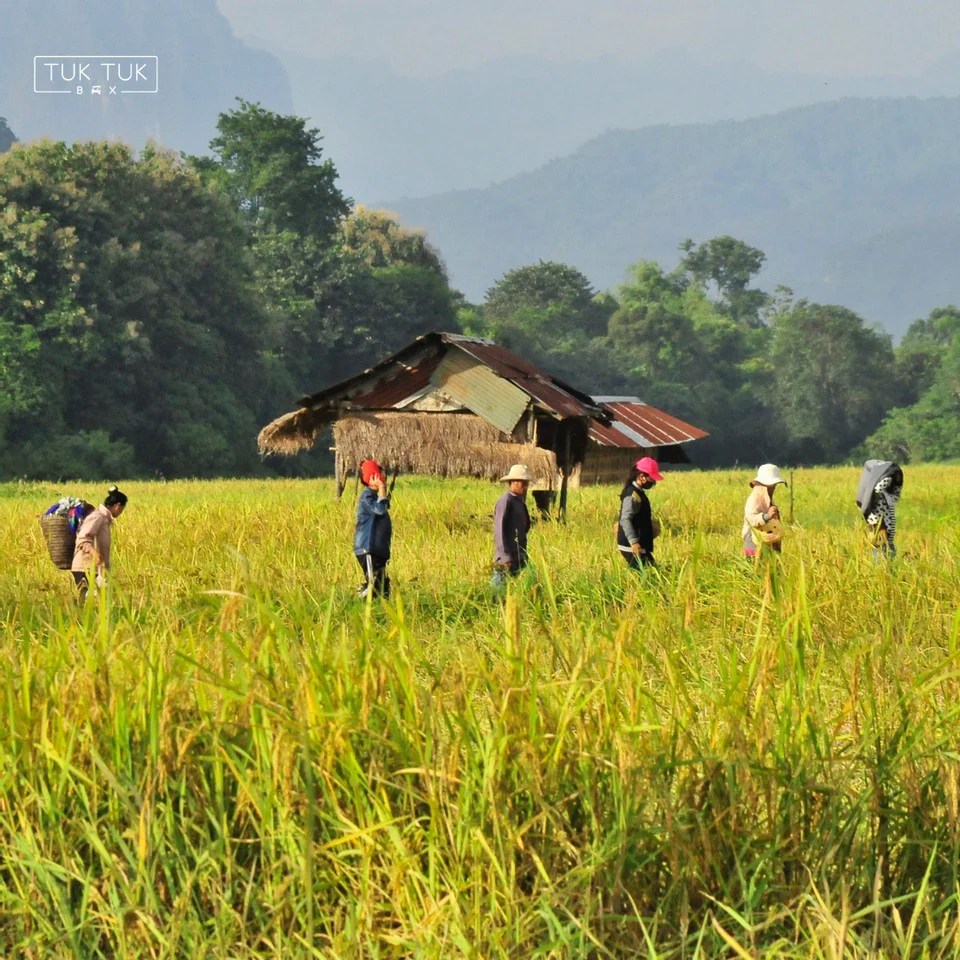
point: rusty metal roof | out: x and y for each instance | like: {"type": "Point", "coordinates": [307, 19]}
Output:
{"type": "Point", "coordinates": [387, 384]}
{"type": "Point", "coordinates": [628, 422]}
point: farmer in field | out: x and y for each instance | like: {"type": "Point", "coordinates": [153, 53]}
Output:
{"type": "Point", "coordinates": [761, 516]}
{"type": "Point", "coordinates": [374, 530]}
{"type": "Point", "coordinates": [635, 527]}
{"type": "Point", "coordinates": [92, 549]}
{"type": "Point", "coordinates": [511, 523]}
{"type": "Point", "coordinates": [878, 492]}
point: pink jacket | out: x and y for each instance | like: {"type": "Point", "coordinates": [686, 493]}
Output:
{"type": "Point", "coordinates": [93, 537]}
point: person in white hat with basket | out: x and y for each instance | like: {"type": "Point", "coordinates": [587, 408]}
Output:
{"type": "Point", "coordinates": [761, 516]}
{"type": "Point", "coordinates": [511, 523]}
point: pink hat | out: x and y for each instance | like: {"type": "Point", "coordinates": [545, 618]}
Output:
{"type": "Point", "coordinates": [648, 466]}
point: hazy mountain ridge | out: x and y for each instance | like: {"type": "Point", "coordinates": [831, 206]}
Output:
{"type": "Point", "coordinates": [826, 191]}
{"type": "Point", "coordinates": [203, 67]}
{"type": "Point", "coordinates": [394, 136]}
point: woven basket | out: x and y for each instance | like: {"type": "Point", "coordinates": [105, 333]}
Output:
{"type": "Point", "coordinates": [60, 540]}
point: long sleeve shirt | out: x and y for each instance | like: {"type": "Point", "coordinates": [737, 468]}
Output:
{"type": "Point", "coordinates": [93, 541]}
{"type": "Point", "coordinates": [374, 529]}
{"type": "Point", "coordinates": [511, 523]}
{"type": "Point", "coordinates": [636, 520]}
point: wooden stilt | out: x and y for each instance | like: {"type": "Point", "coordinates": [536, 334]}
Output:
{"type": "Point", "coordinates": [564, 476]}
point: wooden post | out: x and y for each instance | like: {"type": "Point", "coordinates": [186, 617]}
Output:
{"type": "Point", "coordinates": [339, 471]}
{"type": "Point", "coordinates": [564, 476]}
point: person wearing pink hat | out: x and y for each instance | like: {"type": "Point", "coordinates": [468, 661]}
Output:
{"type": "Point", "coordinates": [635, 531]}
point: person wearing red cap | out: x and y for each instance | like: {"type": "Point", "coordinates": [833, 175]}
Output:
{"type": "Point", "coordinates": [374, 530]}
{"type": "Point", "coordinates": [635, 527]}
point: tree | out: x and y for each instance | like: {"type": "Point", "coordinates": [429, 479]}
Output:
{"type": "Point", "coordinates": [832, 380]}
{"type": "Point", "coordinates": [549, 312]}
{"type": "Point", "coordinates": [378, 239]}
{"type": "Point", "coordinates": [729, 265]}
{"type": "Point", "coordinates": [921, 350]}
{"type": "Point", "coordinates": [126, 310]}
{"type": "Point", "coordinates": [669, 345]}
{"type": "Point", "coordinates": [929, 427]}
{"type": "Point", "coordinates": [270, 166]}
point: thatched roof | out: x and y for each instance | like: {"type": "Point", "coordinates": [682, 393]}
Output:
{"type": "Point", "coordinates": [437, 444]}
{"type": "Point", "coordinates": [293, 432]}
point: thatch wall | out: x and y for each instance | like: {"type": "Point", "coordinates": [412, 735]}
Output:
{"type": "Point", "coordinates": [437, 444]}
{"type": "Point", "coordinates": [603, 465]}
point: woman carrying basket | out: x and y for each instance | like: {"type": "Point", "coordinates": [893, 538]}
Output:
{"type": "Point", "coordinates": [93, 542]}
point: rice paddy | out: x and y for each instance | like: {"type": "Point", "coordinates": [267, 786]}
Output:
{"type": "Point", "coordinates": [227, 754]}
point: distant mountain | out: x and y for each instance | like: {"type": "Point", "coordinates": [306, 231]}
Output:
{"type": "Point", "coordinates": [7, 139]}
{"type": "Point", "coordinates": [854, 202]}
{"type": "Point", "coordinates": [394, 136]}
{"type": "Point", "coordinates": [202, 67]}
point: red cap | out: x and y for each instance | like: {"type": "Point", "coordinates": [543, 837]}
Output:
{"type": "Point", "coordinates": [370, 469]}
{"type": "Point", "coordinates": [648, 466]}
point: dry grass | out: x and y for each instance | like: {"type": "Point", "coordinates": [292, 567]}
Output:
{"type": "Point", "coordinates": [438, 444]}
{"type": "Point", "coordinates": [228, 755]}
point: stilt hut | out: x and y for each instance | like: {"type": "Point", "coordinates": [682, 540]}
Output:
{"type": "Point", "coordinates": [451, 405]}
{"type": "Point", "coordinates": [629, 429]}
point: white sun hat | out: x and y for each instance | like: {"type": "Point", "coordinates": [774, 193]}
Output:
{"type": "Point", "coordinates": [768, 474]}
{"type": "Point", "coordinates": [518, 471]}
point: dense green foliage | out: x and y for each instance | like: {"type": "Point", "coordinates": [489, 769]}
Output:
{"type": "Point", "coordinates": [155, 311]}
{"type": "Point", "coordinates": [127, 323]}
{"type": "Point", "coordinates": [927, 426]}
{"type": "Point", "coordinates": [227, 755]}
{"type": "Point", "coordinates": [770, 377]}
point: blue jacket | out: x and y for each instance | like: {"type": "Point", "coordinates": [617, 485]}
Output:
{"type": "Point", "coordinates": [374, 529]}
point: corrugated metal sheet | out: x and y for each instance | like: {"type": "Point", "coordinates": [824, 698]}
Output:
{"type": "Point", "coordinates": [554, 395]}
{"type": "Point", "coordinates": [636, 424]}
{"type": "Point", "coordinates": [472, 383]}
{"type": "Point", "coordinates": [395, 384]}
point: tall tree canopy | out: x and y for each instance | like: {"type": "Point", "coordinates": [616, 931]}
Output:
{"type": "Point", "coordinates": [126, 314]}
{"type": "Point", "coordinates": [927, 426]}
{"type": "Point", "coordinates": [549, 312]}
{"type": "Point", "coordinates": [833, 380]}
{"type": "Point", "coordinates": [272, 167]}
{"type": "Point", "coordinates": [725, 266]}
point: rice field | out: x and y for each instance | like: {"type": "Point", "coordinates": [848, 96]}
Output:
{"type": "Point", "coordinates": [227, 754]}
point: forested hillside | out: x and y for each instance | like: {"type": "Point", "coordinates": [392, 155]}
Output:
{"type": "Point", "coordinates": [853, 202]}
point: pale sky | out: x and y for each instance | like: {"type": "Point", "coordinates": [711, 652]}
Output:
{"type": "Point", "coordinates": [424, 37]}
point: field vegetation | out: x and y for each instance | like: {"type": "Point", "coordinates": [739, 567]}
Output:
{"type": "Point", "coordinates": [227, 754]}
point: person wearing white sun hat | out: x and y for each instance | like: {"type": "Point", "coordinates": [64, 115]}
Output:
{"type": "Point", "coordinates": [511, 523]}
{"type": "Point", "coordinates": [761, 516]}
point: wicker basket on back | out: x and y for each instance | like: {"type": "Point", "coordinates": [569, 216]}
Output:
{"type": "Point", "coordinates": [60, 538]}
